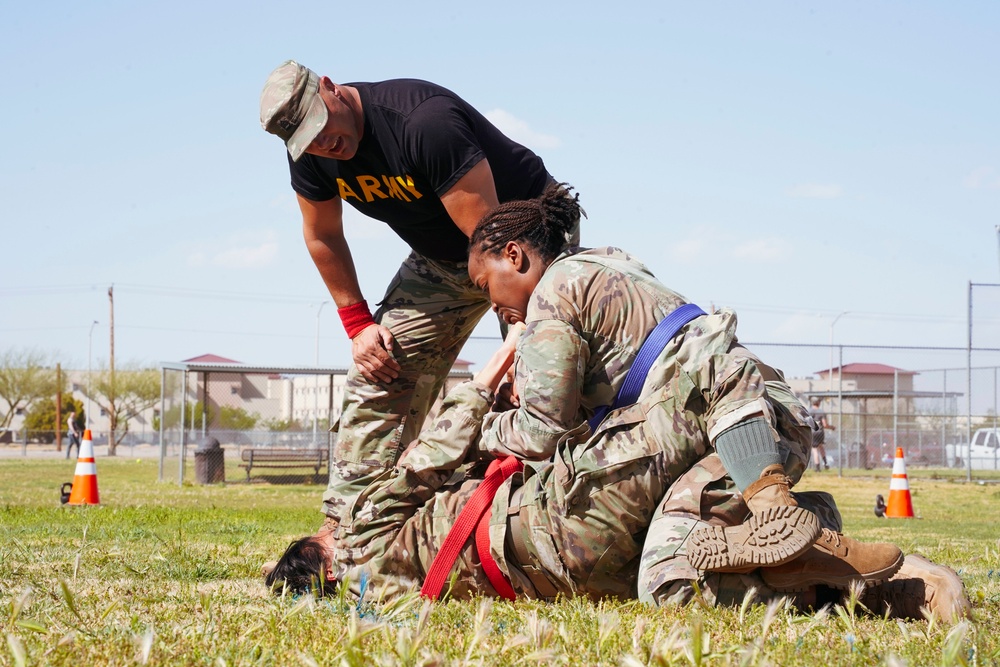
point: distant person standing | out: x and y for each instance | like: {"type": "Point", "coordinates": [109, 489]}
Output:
{"type": "Point", "coordinates": [73, 430]}
{"type": "Point", "coordinates": [820, 424]}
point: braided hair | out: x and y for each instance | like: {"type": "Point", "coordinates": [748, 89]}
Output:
{"type": "Point", "coordinates": [542, 223]}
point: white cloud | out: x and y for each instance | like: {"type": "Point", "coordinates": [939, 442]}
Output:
{"type": "Point", "coordinates": [816, 191]}
{"type": "Point", "coordinates": [704, 244]}
{"type": "Point", "coordinates": [252, 250]}
{"type": "Point", "coordinates": [518, 130]}
{"type": "Point", "coordinates": [798, 327]}
{"type": "Point", "coordinates": [284, 202]}
{"type": "Point", "coordinates": [765, 250]}
{"type": "Point", "coordinates": [247, 257]}
{"type": "Point", "coordinates": [687, 251]}
{"type": "Point", "coordinates": [984, 178]}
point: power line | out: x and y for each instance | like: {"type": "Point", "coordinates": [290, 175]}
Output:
{"type": "Point", "coordinates": [159, 290]}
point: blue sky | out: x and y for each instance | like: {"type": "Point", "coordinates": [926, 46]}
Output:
{"type": "Point", "coordinates": [791, 160]}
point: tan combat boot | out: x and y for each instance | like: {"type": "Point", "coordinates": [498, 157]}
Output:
{"type": "Point", "coordinates": [836, 561]}
{"type": "Point", "coordinates": [777, 531]}
{"type": "Point", "coordinates": [920, 585]}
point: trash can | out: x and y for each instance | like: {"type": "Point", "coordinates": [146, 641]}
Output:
{"type": "Point", "coordinates": [210, 462]}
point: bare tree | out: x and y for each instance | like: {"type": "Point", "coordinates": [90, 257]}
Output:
{"type": "Point", "coordinates": [24, 379]}
{"type": "Point", "coordinates": [124, 395]}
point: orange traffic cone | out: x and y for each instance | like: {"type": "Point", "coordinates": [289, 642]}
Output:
{"type": "Point", "coordinates": [85, 479]}
{"type": "Point", "coordinates": [900, 505]}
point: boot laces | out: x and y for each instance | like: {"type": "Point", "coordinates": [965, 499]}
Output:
{"type": "Point", "coordinates": [831, 538]}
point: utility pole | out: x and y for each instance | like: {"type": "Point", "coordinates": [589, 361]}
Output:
{"type": "Point", "coordinates": [58, 407]}
{"type": "Point", "coordinates": [111, 388]}
{"type": "Point", "coordinates": [90, 390]}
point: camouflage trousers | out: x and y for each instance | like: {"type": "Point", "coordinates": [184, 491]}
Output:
{"type": "Point", "coordinates": [706, 495]}
{"type": "Point", "coordinates": [580, 518]}
{"type": "Point", "coordinates": [401, 519]}
{"type": "Point", "coordinates": [591, 517]}
{"type": "Point", "coordinates": [607, 516]}
{"type": "Point", "coordinates": [431, 307]}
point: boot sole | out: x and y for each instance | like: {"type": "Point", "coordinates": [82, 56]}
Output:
{"type": "Point", "coordinates": [768, 538]}
{"type": "Point", "coordinates": [794, 583]}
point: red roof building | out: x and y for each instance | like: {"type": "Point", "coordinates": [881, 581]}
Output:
{"type": "Point", "coordinates": [866, 377]}
{"type": "Point", "coordinates": [209, 359]}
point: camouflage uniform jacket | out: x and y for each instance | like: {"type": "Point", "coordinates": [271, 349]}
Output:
{"type": "Point", "coordinates": [586, 322]}
{"type": "Point", "coordinates": [587, 502]}
{"type": "Point", "coordinates": [585, 509]}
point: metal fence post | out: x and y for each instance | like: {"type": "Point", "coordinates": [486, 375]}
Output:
{"type": "Point", "coordinates": [944, 420]}
{"type": "Point", "coordinates": [968, 396]}
{"type": "Point", "coordinates": [840, 410]}
{"type": "Point", "coordinates": [163, 414]}
{"type": "Point", "coordinates": [183, 442]}
{"type": "Point", "coordinates": [895, 408]}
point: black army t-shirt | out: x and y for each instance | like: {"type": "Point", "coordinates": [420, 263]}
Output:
{"type": "Point", "coordinates": [419, 140]}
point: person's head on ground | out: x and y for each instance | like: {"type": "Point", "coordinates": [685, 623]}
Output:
{"type": "Point", "coordinates": [515, 242]}
{"type": "Point", "coordinates": [310, 113]}
{"type": "Point", "coordinates": [302, 568]}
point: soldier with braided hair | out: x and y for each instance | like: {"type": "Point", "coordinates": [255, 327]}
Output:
{"type": "Point", "coordinates": [588, 314]}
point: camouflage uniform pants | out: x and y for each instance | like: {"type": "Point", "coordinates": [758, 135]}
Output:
{"type": "Point", "coordinates": [582, 517]}
{"type": "Point", "coordinates": [584, 514]}
{"type": "Point", "coordinates": [705, 495]}
{"type": "Point", "coordinates": [431, 307]}
{"type": "Point", "coordinates": [401, 519]}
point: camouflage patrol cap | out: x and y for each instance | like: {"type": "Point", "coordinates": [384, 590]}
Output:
{"type": "Point", "coordinates": [291, 108]}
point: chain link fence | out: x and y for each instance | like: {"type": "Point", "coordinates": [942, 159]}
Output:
{"type": "Point", "coordinates": [134, 444]}
{"type": "Point", "coordinates": [940, 405]}
{"type": "Point", "coordinates": [233, 423]}
{"type": "Point", "coordinates": [931, 402]}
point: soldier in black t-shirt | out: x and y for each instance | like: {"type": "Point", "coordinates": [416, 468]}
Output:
{"type": "Point", "coordinates": [419, 158]}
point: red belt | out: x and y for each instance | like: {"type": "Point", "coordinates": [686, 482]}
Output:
{"type": "Point", "coordinates": [474, 516]}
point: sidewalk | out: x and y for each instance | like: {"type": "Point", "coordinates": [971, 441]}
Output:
{"type": "Point", "coordinates": [43, 451]}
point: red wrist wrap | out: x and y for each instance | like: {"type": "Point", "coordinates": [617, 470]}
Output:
{"type": "Point", "coordinates": [355, 318]}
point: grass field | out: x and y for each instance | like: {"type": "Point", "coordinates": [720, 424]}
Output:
{"type": "Point", "coordinates": [166, 575]}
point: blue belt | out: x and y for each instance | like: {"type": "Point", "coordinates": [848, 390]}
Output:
{"type": "Point", "coordinates": [650, 350]}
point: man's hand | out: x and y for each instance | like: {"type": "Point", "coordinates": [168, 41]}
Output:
{"type": "Point", "coordinates": [372, 350]}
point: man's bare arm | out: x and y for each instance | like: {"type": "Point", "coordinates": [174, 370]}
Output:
{"type": "Point", "coordinates": [472, 197]}
{"type": "Point", "coordinates": [323, 230]}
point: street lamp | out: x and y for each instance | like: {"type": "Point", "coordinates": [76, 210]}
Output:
{"type": "Point", "coordinates": [831, 346]}
{"type": "Point", "coordinates": [90, 344]}
{"type": "Point", "coordinates": [316, 377]}
{"type": "Point", "coordinates": [998, 241]}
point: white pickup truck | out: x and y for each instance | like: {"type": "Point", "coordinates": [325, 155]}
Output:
{"type": "Point", "coordinates": [984, 454]}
